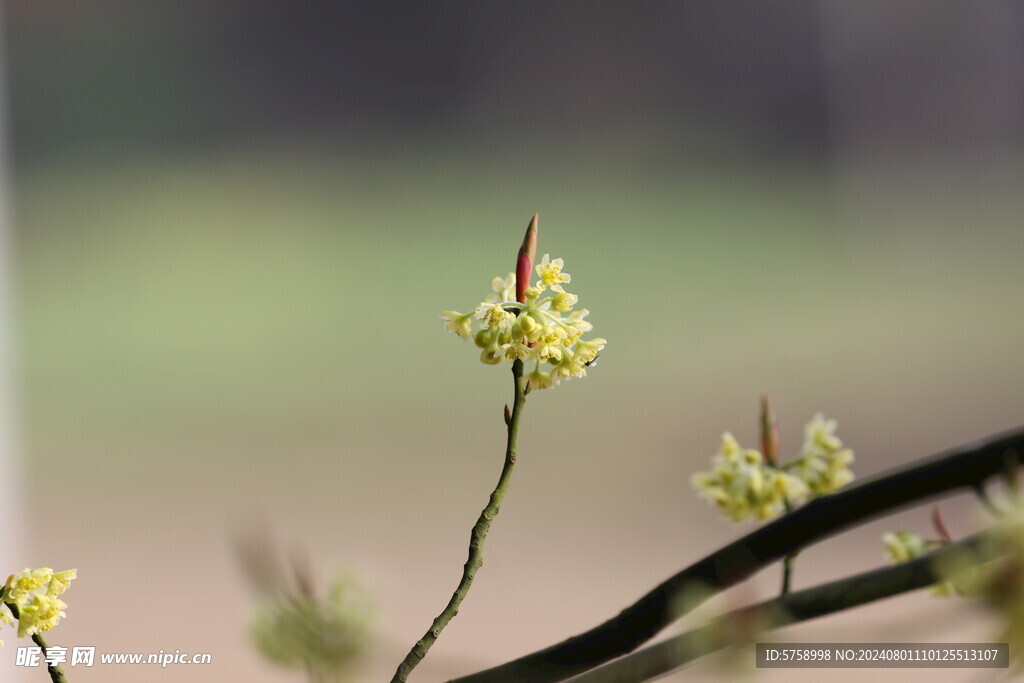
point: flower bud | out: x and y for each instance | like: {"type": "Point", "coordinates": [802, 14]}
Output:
{"type": "Point", "coordinates": [485, 337]}
{"type": "Point", "coordinates": [527, 323]}
{"type": "Point", "coordinates": [940, 525]}
{"type": "Point", "coordinates": [769, 433]}
{"type": "Point", "coordinates": [564, 301]}
{"type": "Point", "coordinates": [524, 262]}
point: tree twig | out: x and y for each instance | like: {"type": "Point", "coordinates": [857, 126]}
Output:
{"type": "Point", "coordinates": [787, 573]}
{"type": "Point", "coordinates": [823, 517]}
{"type": "Point", "coordinates": [785, 610]}
{"type": "Point", "coordinates": [787, 561]}
{"type": "Point", "coordinates": [477, 536]}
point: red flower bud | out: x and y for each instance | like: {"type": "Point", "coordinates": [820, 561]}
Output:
{"type": "Point", "coordinates": [524, 262]}
{"type": "Point", "coordinates": [940, 525]}
{"type": "Point", "coordinates": [769, 433]}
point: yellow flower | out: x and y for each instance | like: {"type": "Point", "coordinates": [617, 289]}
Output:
{"type": "Point", "coordinates": [40, 613]}
{"type": "Point", "coordinates": [576, 319]}
{"type": "Point", "coordinates": [458, 323]}
{"type": "Point", "coordinates": [61, 581]}
{"type": "Point", "coordinates": [564, 301]}
{"type": "Point", "coordinates": [528, 324]}
{"type": "Point", "coordinates": [546, 349]}
{"type": "Point", "coordinates": [823, 463]}
{"type": "Point", "coordinates": [819, 436]}
{"type": "Point", "coordinates": [904, 546]}
{"type": "Point", "coordinates": [35, 593]}
{"type": "Point", "coordinates": [742, 486]}
{"type": "Point", "coordinates": [504, 290]}
{"type": "Point", "coordinates": [23, 585]}
{"type": "Point", "coordinates": [534, 330]}
{"type": "Point", "coordinates": [493, 315]}
{"type": "Point", "coordinates": [588, 350]}
{"type": "Point", "coordinates": [551, 274]}
{"type": "Point", "coordinates": [541, 380]}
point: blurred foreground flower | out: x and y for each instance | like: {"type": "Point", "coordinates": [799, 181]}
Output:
{"type": "Point", "coordinates": [1001, 584]}
{"type": "Point", "coordinates": [997, 583]}
{"type": "Point", "coordinates": [323, 636]}
{"type": "Point", "coordinates": [533, 323]}
{"type": "Point", "coordinates": [295, 625]}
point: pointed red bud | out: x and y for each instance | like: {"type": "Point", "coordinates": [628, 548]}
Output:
{"type": "Point", "coordinates": [940, 525]}
{"type": "Point", "coordinates": [524, 263]}
{"type": "Point", "coordinates": [769, 432]}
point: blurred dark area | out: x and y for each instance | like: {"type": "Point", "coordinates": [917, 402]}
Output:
{"type": "Point", "coordinates": [115, 74]}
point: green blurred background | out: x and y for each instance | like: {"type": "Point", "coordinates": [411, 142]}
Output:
{"type": "Point", "coordinates": [236, 223]}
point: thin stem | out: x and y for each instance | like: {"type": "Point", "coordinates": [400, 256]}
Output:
{"type": "Point", "coordinates": [56, 673]}
{"type": "Point", "coordinates": [823, 517]}
{"type": "Point", "coordinates": [787, 563]}
{"type": "Point", "coordinates": [477, 537]}
{"type": "Point", "coordinates": [796, 607]}
{"type": "Point", "coordinates": [787, 572]}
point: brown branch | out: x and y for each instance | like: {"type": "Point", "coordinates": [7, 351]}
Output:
{"type": "Point", "coordinates": [962, 467]}
{"type": "Point", "coordinates": [804, 605]}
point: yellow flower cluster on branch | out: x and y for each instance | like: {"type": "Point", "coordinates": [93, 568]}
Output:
{"type": "Point", "coordinates": [964, 574]}
{"type": "Point", "coordinates": [543, 329]}
{"type": "Point", "coordinates": [745, 484]}
{"type": "Point", "coordinates": [904, 546]}
{"type": "Point", "coordinates": [36, 595]}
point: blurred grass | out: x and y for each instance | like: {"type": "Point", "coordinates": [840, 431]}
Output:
{"type": "Point", "coordinates": [286, 288]}
{"type": "Point", "coordinates": [219, 336]}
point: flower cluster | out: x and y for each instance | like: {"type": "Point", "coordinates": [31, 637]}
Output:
{"type": "Point", "coordinates": [963, 572]}
{"type": "Point", "coordinates": [744, 484]}
{"type": "Point", "coordinates": [295, 623]}
{"type": "Point", "coordinates": [36, 595]}
{"type": "Point", "coordinates": [904, 546]}
{"type": "Point", "coordinates": [542, 329]}
{"type": "Point", "coordinates": [823, 463]}
{"type": "Point", "coordinates": [999, 583]}
{"type": "Point", "coordinates": [973, 573]}
{"type": "Point", "coordinates": [322, 636]}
